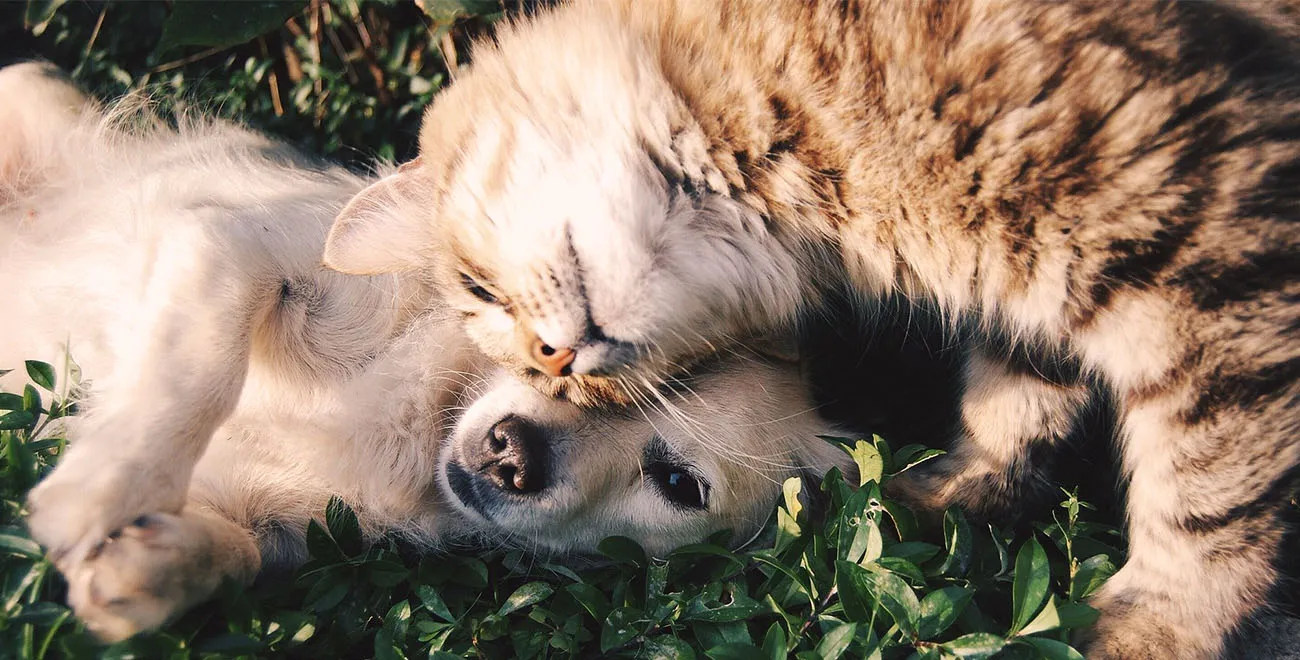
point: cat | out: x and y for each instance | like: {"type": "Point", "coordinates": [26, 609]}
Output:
{"type": "Point", "coordinates": [615, 190]}
{"type": "Point", "coordinates": [233, 385]}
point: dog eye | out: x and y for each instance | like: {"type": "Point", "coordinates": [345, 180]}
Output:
{"type": "Point", "coordinates": [475, 289]}
{"type": "Point", "coordinates": [679, 485]}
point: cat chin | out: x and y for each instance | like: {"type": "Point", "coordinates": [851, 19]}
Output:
{"type": "Point", "coordinates": [584, 391]}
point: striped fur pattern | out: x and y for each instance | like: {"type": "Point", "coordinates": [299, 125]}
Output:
{"type": "Point", "coordinates": [1111, 185]}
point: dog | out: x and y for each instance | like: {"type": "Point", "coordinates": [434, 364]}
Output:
{"type": "Point", "coordinates": [232, 384]}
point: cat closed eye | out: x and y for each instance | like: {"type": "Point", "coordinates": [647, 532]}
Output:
{"type": "Point", "coordinates": [477, 290]}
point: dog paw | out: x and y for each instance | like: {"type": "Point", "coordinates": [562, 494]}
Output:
{"type": "Point", "coordinates": [142, 575]}
{"type": "Point", "coordinates": [77, 506]}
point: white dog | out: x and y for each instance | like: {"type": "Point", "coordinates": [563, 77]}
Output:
{"type": "Point", "coordinates": [235, 384]}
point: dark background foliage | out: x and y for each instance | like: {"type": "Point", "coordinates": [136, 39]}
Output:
{"type": "Point", "coordinates": [348, 79]}
{"type": "Point", "coordinates": [343, 78]}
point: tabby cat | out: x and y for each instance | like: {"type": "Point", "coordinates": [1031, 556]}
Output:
{"type": "Point", "coordinates": [617, 190]}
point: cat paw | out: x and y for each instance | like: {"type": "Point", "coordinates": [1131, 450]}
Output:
{"type": "Point", "coordinates": [941, 483]}
{"type": "Point", "coordinates": [1136, 625]}
{"type": "Point", "coordinates": [142, 575]}
{"type": "Point", "coordinates": [1138, 635]}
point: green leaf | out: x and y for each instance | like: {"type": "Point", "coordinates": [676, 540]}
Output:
{"type": "Point", "coordinates": [529, 594]}
{"type": "Point", "coordinates": [871, 465]}
{"type": "Point", "coordinates": [1076, 615]}
{"type": "Point", "coordinates": [433, 602]}
{"type": "Point", "coordinates": [1052, 649]}
{"type": "Point", "coordinates": [975, 645]}
{"type": "Point", "coordinates": [385, 572]}
{"type": "Point", "coordinates": [903, 568]}
{"type": "Point", "coordinates": [31, 400]}
{"type": "Point", "coordinates": [38, 15]}
{"type": "Point", "coordinates": [10, 401]}
{"type": "Point", "coordinates": [740, 608]}
{"type": "Point", "coordinates": [790, 493]}
{"type": "Point", "coordinates": [321, 545]}
{"type": "Point", "coordinates": [958, 542]}
{"type": "Point", "coordinates": [854, 525]}
{"type": "Point", "coordinates": [1047, 619]}
{"type": "Point", "coordinates": [904, 520]}
{"type": "Point", "coordinates": [913, 455]}
{"type": "Point", "coordinates": [940, 609]}
{"type": "Point", "coordinates": [836, 638]}
{"type": "Point", "coordinates": [592, 599]}
{"type": "Point", "coordinates": [666, 647]}
{"type": "Point", "coordinates": [326, 594]}
{"type": "Point", "coordinates": [887, 589]}
{"type": "Point", "coordinates": [223, 24]}
{"type": "Point", "coordinates": [708, 550]}
{"type": "Point", "coordinates": [917, 552]}
{"type": "Point", "coordinates": [18, 419]}
{"type": "Point", "coordinates": [343, 526]}
{"type": "Point", "coordinates": [445, 12]}
{"type": "Point", "coordinates": [735, 651]}
{"type": "Point", "coordinates": [1092, 573]}
{"type": "Point", "coordinates": [774, 645]}
{"type": "Point", "coordinates": [14, 542]}
{"type": "Point", "coordinates": [623, 550]}
{"type": "Point", "coordinates": [619, 628]}
{"type": "Point", "coordinates": [41, 373]}
{"type": "Point", "coordinates": [398, 620]}
{"type": "Point", "coordinates": [1029, 588]}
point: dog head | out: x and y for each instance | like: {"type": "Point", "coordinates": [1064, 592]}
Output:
{"type": "Point", "coordinates": [710, 454]}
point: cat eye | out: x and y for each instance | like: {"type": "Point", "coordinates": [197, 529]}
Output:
{"type": "Point", "coordinates": [680, 484]}
{"type": "Point", "coordinates": [475, 289]}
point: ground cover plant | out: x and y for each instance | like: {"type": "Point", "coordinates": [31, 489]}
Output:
{"type": "Point", "coordinates": [862, 577]}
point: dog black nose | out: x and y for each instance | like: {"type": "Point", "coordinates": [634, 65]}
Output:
{"type": "Point", "coordinates": [516, 456]}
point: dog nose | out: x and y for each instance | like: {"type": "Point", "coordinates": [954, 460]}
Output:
{"type": "Point", "coordinates": [552, 361]}
{"type": "Point", "coordinates": [516, 456]}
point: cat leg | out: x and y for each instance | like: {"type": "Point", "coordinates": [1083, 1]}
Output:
{"type": "Point", "coordinates": [155, 568]}
{"type": "Point", "coordinates": [181, 348]}
{"type": "Point", "coordinates": [1207, 490]}
{"type": "Point", "coordinates": [1007, 411]}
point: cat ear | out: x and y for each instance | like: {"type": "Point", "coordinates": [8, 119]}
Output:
{"type": "Point", "coordinates": [383, 228]}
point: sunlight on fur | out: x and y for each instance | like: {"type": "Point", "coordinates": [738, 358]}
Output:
{"type": "Point", "coordinates": [234, 384]}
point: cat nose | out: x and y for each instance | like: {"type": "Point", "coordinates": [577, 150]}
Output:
{"type": "Point", "coordinates": [515, 456]}
{"type": "Point", "coordinates": [552, 361]}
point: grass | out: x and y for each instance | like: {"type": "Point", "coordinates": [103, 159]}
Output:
{"type": "Point", "coordinates": [864, 578]}
{"type": "Point", "coordinates": [347, 79]}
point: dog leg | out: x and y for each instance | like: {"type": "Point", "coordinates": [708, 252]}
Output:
{"type": "Point", "coordinates": [182, 358]}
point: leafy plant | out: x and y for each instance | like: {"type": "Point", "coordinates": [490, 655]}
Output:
{"type": "Point", "coordinates": [863, 579]}
{"type": "Point", "coordinates": [344, 78]}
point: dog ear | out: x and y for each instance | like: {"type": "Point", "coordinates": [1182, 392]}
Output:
{"type": "Point", "coordinates": [383, 228]}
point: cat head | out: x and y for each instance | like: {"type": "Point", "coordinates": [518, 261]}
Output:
{"type": "Point", "coordinates": [529, 470]}
{"type": "Point", "coordinates": [567, 207]}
